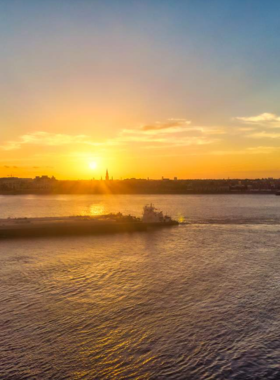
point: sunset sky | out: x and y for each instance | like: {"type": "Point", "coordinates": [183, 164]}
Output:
{"type": "Point", "coordinates": [144, 88]}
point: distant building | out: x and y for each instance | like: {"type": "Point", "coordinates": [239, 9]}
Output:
{"type": "Point", "coordinates": [107, 175]}
{"type": "Point", "coordinates": [44, 182]}
{"type": "Point", "coordinates": [14, 183]}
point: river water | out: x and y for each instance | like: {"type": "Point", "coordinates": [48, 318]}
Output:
{"type": "Point", "coordinates": [196, 301]}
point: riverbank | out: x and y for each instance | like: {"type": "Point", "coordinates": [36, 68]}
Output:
{"type": "Point", "coordinates": [49, 186]}
{"type": "Point", "coordinates": [210, 192]}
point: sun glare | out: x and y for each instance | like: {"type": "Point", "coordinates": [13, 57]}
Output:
{"type": "Point", "coordinates": [93, 165]}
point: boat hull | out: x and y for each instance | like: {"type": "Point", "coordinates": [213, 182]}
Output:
{"type": "Point", "coordinates": [67, 227]}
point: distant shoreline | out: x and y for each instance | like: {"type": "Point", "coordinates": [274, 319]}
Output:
{"type": "Point", "coordinates": [45, 185]}
{"type": "Point", "coordinates": [14, 193]}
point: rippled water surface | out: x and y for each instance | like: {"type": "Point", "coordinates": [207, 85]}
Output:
{"type": "Point", "coordinates": [196, 301]}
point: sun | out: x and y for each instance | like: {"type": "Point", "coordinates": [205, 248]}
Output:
{"type": "Point", "coordinates": [93, 165]}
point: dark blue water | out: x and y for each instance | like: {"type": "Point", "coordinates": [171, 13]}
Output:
{"type": "Point", "coordinates": [198, 301]}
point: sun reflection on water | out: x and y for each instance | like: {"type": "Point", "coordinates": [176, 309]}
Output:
{"type": "Point", "coordinates": [181, 219]}
{"type": "Point", "coordinates": [97, 209]}
{"type": "Point", "coordinates": [94, 210]}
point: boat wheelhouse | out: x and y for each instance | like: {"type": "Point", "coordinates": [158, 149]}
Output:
{"type": "Point", "coordinates": [151, 215]}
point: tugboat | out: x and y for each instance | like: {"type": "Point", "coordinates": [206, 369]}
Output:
{"type": "Point", "coordinates": [152, 216]}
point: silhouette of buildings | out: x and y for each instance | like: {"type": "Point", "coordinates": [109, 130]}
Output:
{"type": "Point", "coordinates": [49, 185]}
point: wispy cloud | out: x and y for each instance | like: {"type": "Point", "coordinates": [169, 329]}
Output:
{"type": "Point", "coordinates": [181, 142]}
{"type": "Point", "coordinates": [173, 132]}
{"type": "Point", "coordinates": [263, 126]}
{"type": "Point", "coordinates": [264, 119]}
{"type": "Point", "coordinates": [47, 139]}
{"type": "Point", "coordinates": [265, 134]}
{"type": "Point", "coordinates": [26, 167]}
{"type": "Point", "coordinates": [169, 124]}
{"type": "Point", "coordinates": [249, 150]}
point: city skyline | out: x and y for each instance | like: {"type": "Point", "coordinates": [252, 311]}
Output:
{"type": "Point", "coordinates": [147, 89]}
{"type": "Point", "coordinates": [50, 185]}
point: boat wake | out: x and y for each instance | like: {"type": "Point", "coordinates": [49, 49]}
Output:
{"type": "Point", "coordinates": [232, 221]}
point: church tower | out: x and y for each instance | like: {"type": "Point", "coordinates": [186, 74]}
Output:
{"type": "Point", "coordinates": [107, 175]}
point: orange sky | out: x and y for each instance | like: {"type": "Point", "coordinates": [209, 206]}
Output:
{"type": "Point", "coordinates": [176, 147]}
{"type": "Point", "coordinates": [144, 89]}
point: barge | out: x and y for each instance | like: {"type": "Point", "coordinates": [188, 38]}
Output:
{"type": "Point", "coordinates": [84, 225]}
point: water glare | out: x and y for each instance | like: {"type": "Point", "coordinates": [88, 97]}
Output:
{"type": "Point", "coordinates": [197, 302]}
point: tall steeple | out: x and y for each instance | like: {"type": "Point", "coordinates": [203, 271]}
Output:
{"type": "Point", "coordinates": [107, 175]}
